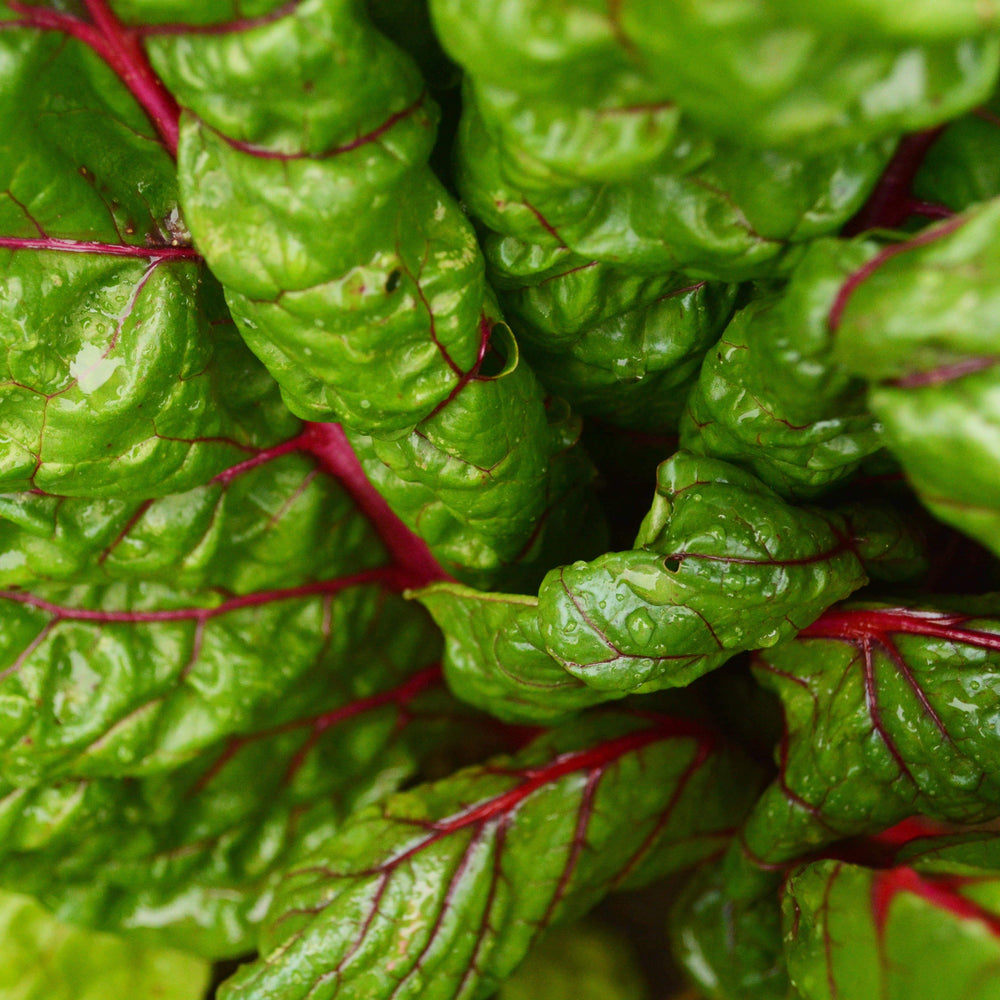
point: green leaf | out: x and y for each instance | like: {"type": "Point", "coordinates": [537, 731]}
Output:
{"type": "Point", "coordinates": [273, 523]}
{"type": "Point", "coordinates": [903, 934]}
{"type": "Point", "coordinates": [767, 75]}
{"type": "Point", "coordinates": [771, 398]}
{"type": "Point", "coordinates": [466, 872]}
{"type": "Point", "coordinates": [803, 75]}
{"type": "Point", "coordinates": [385, 325]}
{"type": "Point", "coordinates": [889, 714]}
{"type": "Point", "coordinates": [496, 658]}
{"type": "Point", "coordinates": [730, 948]}
{"type": "Point", "coordinates": [191, 858]}
{"type": "Point", "coordinates": [722, 564]}
{"type": "Point", "coordinates": [635, 368]}
{"type": "Point", "coordinates": [923, 19]}
{"type": "Point", "coordinates": [120, 377]}
{"type": "Point", "coordinates": [708, 208]}
{"type": "Point", "coordinates": [42, 959]}
{"type": "Point", "coordinates": [960, 168]}
{"type": "Point", "coordinates": [919, 322]}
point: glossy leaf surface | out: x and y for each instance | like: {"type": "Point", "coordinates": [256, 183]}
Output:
{"type": "Point", "coordinates": [890, 713]}
{"type": "Point", "coordinates": [468, 870]}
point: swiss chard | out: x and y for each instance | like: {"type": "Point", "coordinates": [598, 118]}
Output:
{"type": "Point", "coordinates": [310, 589]}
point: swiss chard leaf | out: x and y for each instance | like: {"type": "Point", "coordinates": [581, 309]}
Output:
{"type": "Point", "coordinates": [469, 870]}
{"type": "Point", "coordinates": [192, 857]}
{"type": "Point", "coordinates": [930, 306]}
{"type": "Point", "coordinates": [889, 713]}
{"type": "Point", "coordinates": [721, 564]}
{"type": "Point", "coordinates": [855, 933]}
{"type": "Point", "coordinates": [767, 75]}
{"type": "Point", "coordinates": [403, 294]}
{"type": "Point", "coordinates": [771, 398]}
{"type": "Point", "coordinates": [635, 369]}
{"type": "Point", "coordinates": [121, 376]}
{"type": "Point", "coordinates": [698, 209]}
{"type": "Point", "coordinates": [730, 948]}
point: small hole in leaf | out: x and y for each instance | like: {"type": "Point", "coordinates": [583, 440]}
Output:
{"type": "Point", "coordinates": [671, 565]}
{"type": "Point", "coordinates": [392, 282]}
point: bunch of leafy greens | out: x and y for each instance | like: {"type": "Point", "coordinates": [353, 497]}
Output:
{"type": "Point", "coordinates": [340, 346]}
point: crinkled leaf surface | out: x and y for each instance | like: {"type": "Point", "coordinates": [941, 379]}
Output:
{"type": "Point", "coordinates": [770, 396]}
{"type": "Point", "coordinates": [721, 564]}
{"type": "Point", "coordinates": [890, 712]}
{"type": "Point", "coordinates": [42, 959]}
{"type": "Point", "coordinates": [698, 208]}
{"type": "Point", "coordinates": [368, 266]}
{"type": "Point", "coordinates": [466, 872]}
{"type": "Point", "coordinates": [121, 375]}
{"type": "Point", "coordinates": [635, 369]}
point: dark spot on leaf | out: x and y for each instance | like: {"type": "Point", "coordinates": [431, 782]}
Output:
{"type": "Point", "coordinates": [671, 565]}
{"type": "Point", "coordinates": [392, 282]}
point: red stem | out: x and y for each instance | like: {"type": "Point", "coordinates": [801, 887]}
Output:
{"type": "Point", "coordinates": [851, 625]}
{"type": "Point", "coordinates": [941, 891]}
{"type": "Point", "coordinates": [388, 576]}
{"type": "Point", "coordinates": [121, 48]}
{"type": "Point", "coordinates": [329, 444]}
{"type": "Point", "coordinates": [108, 249]}
{"type": "Point", "coordinates": [891, 202]}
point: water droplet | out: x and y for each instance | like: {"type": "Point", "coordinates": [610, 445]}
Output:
{"type": "Point", "coordinates": [640, 626]}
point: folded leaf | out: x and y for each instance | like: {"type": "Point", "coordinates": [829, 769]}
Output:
{"type": "Point", "coordinates": [468, 871]}
{"type": "Point", "coordinates": [919, 322]}
{"type": "Point", "coordinates": [722, 564]}
{"type": "Point", "coordinates": [770, 396]}
{"type": "Point", "coordinates": [496, 657]}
